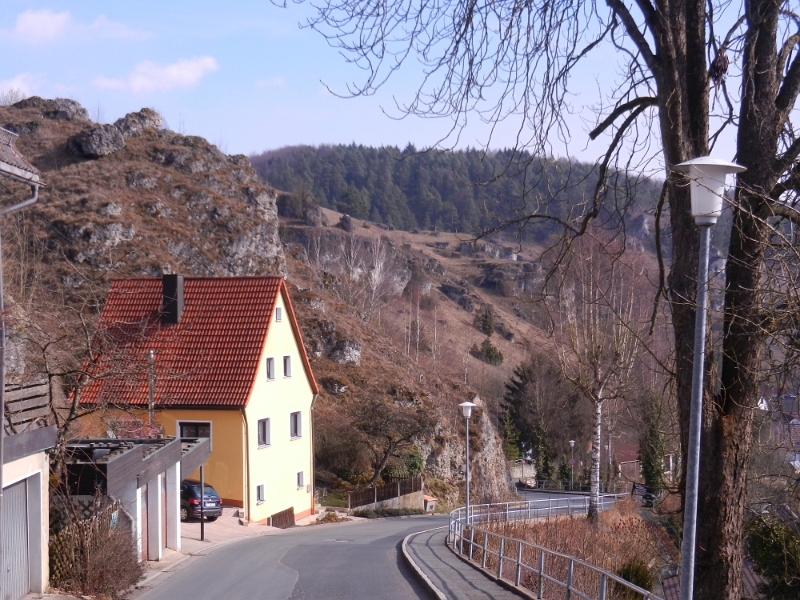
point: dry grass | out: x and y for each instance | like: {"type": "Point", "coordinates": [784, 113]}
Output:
{"type": "Point", "coordinates": [622, 537]}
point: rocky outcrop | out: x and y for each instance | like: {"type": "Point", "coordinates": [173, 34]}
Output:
{"type": "Point", "coordinates": [165, 203]}
{"type": "Point", "coordinates": [489, 478]}
{"type": "Point", "coordinates": [134, 124]}
{"type": "Point", "coordinates": [61, 109]}
{"type": "Point", "coordinates": [96, 142]}
{"type": "Point", "coordinates": [322, 339]}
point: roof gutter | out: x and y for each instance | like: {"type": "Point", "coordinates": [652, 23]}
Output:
{"type": "Point", "coordinates": [246, 499]}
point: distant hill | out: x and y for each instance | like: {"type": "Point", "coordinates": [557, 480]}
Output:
{"type": "Point", "coordinates": [463, 191]}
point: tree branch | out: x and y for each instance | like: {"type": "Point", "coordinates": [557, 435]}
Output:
{"type": "Point", "coordinates": [643, 101]}
{"type": "Point", "coordinates": [635, 34]}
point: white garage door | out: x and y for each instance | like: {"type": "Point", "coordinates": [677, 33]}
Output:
{"type": "Point", "coordinates": [16, 574]}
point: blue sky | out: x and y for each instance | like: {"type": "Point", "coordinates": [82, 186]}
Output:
{"type": "Point", "coordinates": [240, 73]}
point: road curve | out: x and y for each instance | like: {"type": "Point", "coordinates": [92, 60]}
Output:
{"type": "Point", "coordinates": [347, 561]}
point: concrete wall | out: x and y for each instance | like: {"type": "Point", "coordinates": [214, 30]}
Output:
{"type": "Point", "coordinates": [277, 464]}
{"type": "Point", "coordinates": [36, 469]}
{"type": "Point", "coordinates": [409, 501]}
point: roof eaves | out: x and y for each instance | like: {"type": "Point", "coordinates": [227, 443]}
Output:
{"type": "Point", "coordinates": [299, 337]}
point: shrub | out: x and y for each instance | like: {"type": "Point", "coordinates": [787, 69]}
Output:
{"type": "Point", "coordinates": [638, 573]}
{"type": "Point", "coordinates": [96, 556]}
{"type": "Point", "coordinates": [488, 353]}
{"type": "Point", "coordinates": [775, 549]}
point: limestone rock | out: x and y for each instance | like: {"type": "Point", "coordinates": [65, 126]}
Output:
{"type": "Point", "coordinates": [346, 223]}
{"type": "Point", "coordinates": [62, 109]}
{"type": "Point", "coordinates": [134, 124]}
{"type": "Point", "coordinates": [346, 352]}
{"type": "Point", "coordinates": [313, 217]}
{"type": "Point", "coordinates": [97, 141]}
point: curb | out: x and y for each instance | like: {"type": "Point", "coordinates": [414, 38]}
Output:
{"type": "Point", "coordinates": [519, 591]}
{"type": "Point", "coordinates": [415, 567]}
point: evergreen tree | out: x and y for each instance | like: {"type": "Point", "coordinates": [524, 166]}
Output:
{"type": "Point", "coordinates": [510, 439]}
{"type": "Point", "coordinates": [651, 446]}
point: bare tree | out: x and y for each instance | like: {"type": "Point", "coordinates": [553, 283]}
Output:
{"type": "Point", "coordinates": [387, 428]}
{"type": "Point", "coordinates": [599, 323]}
{"type": "Point", "coordinates": [685, 72]}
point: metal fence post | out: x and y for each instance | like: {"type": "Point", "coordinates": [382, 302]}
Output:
{"type": "Point", "coordinates": [540, 592]}
{"type": "Point", "coordinates": [471, 540]}
{"type": "Point", "coordinates": [602, 595]}
{"type": "Point", "coordinates": [569, 579]}
{"type": "Point", "coordinates": [485, 544]}
{"type": "Point", "coordinates": [519, 563]}
{"type": "Point", "coordinates": [461, 538]}
{"type": "Point", "coordinates": [500, 558]}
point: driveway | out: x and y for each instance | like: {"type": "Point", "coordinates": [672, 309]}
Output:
{"type": "Point", "coordinates": [353, 560]}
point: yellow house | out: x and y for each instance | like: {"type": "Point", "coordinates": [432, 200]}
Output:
{"type": "Point", "coordinates": [216, 357]}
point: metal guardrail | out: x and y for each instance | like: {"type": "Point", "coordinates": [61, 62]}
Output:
{"type": "Point", "coordinates": [525, 563]}
{"type": "Point", "coordinates": [613, 487]}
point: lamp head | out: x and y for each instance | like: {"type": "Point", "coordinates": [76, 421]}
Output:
{"type": "Point", "coordinates": [467, 407]}
{"type": "Point", "coordinates": [572, 443]}
{"type": "Point", "coordinates": [707, 177]}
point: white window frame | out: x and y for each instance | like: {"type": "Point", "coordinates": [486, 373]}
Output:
{"type": "Point", "coordinates": [278, 314]}
{"type": "Point", "coordinates": [301, 480]}
{"type": "Point", "coordinates": [299, 425]}
{"type": "Point", "coordinates": [262, 488]}
{"type": "Point", "coordinates": [269, 432]}
{"type": "Point", "coordinates": [270, 359]}
{"type": "Point", "coordinates": [189, 421]}
{"type": "Point", "coordinates": [287, 366]}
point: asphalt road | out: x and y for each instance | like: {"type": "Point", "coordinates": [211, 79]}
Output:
{"type": "Point", "coordinates": [353, 561]}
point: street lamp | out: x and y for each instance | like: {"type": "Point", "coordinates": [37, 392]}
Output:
{"type": "Point", "coordinates": [572, 465]}
{"type": "Point", "coordinates": [707, 177]}
{"type": "Point", "coordinates": [466, 408]}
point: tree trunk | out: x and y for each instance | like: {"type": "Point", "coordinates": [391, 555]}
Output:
{"type": "Point", "coordinates": [594, 489]}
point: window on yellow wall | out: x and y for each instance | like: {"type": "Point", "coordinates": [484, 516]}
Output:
{"type": "Point", "coordinates": [263, 433]}
{"type": "Point", "coordinates": [295, 425]}
{"type": "Point", "coordinates": [287, 366]}
{"type": "Point", "coordinates": [300, 479]}
{"type": "Point", "coordinates": [260, 493]}
{"type": "Point", "coordinates": [270, 369]}
{"type": "Point", "coordinates": [195, 429]}
{"type": "Point", "coordinates": [278, 315]}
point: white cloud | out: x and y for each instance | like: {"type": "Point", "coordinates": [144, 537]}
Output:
{"type": "Point", "coordinates": [272, 82]}
{"type": "Point", "coordinates": [24, 82]}
{"type": "Point", "coordinates": [148, 76]}
{"type": "Point", "coordinates": [41, 26]}
{"type": "Point", "coordinates": [37, 26]}
{"type": "Point", "coordinates": [109, 29]}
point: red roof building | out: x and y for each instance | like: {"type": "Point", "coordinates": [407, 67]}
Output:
{"type": "Point", "coordinates": [225, 359]}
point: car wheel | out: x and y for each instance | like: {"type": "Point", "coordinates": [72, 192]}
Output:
{"type": "Point", "coordinates": [184, 513]}
{"type": "Point", "coordinates": [211, 519]}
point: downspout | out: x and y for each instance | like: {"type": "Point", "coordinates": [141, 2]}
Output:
{"type": "Point", "coordinates": [313, 478]}
{"type": "Point", "coordinates": [246, 466]}
{"type": "Point", "coordinates": [34, 197]}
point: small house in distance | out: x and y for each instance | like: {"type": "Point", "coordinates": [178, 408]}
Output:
{"type": "Point", "coordinates": [228, 364]}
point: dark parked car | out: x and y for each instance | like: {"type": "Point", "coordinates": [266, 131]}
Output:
{"type": "Point", "coordinates": [190, 501]}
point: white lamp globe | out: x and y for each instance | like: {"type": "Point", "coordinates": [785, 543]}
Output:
{"type": "Point", "coordinates": [467, 408]}
{"type": "Point", "coordinates": [707, 175]}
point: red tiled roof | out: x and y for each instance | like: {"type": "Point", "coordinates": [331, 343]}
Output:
{"type": "Point", "coordinates": [210, 358]}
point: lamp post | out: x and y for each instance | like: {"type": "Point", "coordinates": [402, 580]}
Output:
{"type": "Point", "coordinates": [707, 177]}
{"type": "Point", "coordinates": [466, 408]}
{"type": "Point", "coordinates": [572, 465]}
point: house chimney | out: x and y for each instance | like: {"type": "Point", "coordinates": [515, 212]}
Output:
{"type": "Point", "coordinates": [172, 286]}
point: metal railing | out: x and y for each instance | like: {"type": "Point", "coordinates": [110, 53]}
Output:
{"type": "Point", "coordinates": [606, 487]}
{"type": "Point", "coordinates": [529, 565]}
